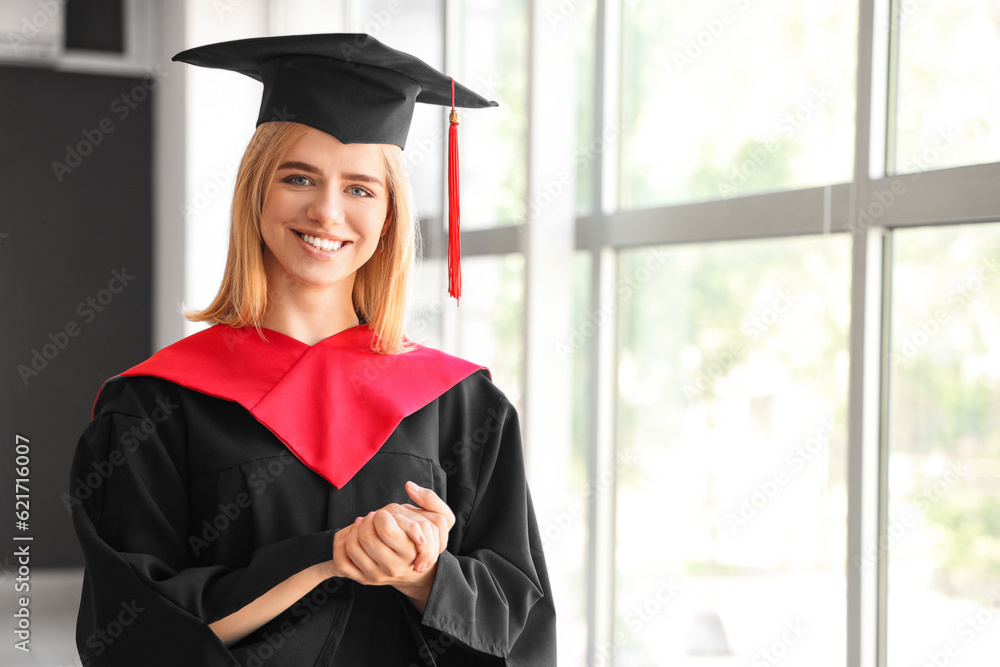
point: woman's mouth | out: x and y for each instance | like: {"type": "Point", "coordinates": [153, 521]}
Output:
{"type": "Point", "coordinates": [322, 244]}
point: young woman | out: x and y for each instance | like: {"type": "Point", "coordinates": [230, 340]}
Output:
{"type": "Point", "coordinates": [298, 484]}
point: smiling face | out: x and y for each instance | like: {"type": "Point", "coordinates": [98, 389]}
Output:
{"type": "Point", "coordinates": [323, 214]}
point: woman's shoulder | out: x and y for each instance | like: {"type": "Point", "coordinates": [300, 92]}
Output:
{"type": "Point", "coordinates": [422, 350]}
{"type": "Point", "coordinates": [475, 377]}
{"type": "Point", "coordinates": [476, 394]}
{"type": "Point", "coordinates": [135, 388]}
{"type": "Point", "coordinates": [137, 396]}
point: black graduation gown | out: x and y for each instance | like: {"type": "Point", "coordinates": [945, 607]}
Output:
{"type": "Point", "coordinates": [188, 508]}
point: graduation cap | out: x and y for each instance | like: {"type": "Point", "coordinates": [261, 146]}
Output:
{"type": "Point", "coordinates": [352, 87]}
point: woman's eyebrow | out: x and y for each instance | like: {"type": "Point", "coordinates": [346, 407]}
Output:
{"type": "Point", "coordinates": [364, 178]}
{"type": "Point", "coordinates": [308, 168]}
{"type": "Point", "coordinates": [301, 166]}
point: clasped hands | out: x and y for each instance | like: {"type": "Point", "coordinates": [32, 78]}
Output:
{"type": "Point", "coordinates": [397, 545]}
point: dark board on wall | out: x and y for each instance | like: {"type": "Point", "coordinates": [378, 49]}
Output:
{"type": "Point", "coordinates": [95, 25]}
{"type": "Point", "coordinates": [75, 275]}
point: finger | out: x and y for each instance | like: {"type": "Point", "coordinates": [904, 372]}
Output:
{"type": "Point", "coordinates": [428, 500]}
{"type": "Point", "coordinates": [432, 523]}
{"type": "Point", "coordinates": [442, 525]}
{"type": "Point", "coordinates": [422, 517]}
{"type": "Point", "coordinates": [341, 560]}
{"type": "Point", "coordinates": [386, 564]}
{"type": "Point", "coordinates": [439, 521]}
{"type": "Point", "coordinates": [369, 540]}
{"type": "Point", "coordinates": [392, 535]}
{"type": "Point", "coordinates": [358, 553]}
{"type": "Point", "coordinates": [411, 529]}
{"type": "Point", "coordinates": [426, 547]}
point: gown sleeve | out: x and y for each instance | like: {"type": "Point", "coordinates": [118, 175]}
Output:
{"type": "Point", "coordinates": [491, 597]}
{"type": "Point", "coordinates": [143, 593]}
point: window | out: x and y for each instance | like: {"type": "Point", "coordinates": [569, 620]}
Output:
{"type": "Point", "coordinates": [702, 88]}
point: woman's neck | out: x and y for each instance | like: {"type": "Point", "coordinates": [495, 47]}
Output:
{"type": "Point", "coordinates": [309, 314]}
{"type": "Point", "coordinates": [309, 330]}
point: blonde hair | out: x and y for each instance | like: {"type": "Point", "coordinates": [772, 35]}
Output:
{"type": "Point", "coordinates": [380, 285]}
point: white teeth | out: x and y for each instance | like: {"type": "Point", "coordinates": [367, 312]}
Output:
{"type": "Point", "coordinates": [322, 244]}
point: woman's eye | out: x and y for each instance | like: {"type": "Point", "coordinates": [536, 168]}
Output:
{"type": "Point", "coordinates": [297, 180]}
{"type": "Point", "coordinates": [360, 191]}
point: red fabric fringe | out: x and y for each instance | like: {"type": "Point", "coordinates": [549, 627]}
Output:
{"type": "Point", "coordinates": [454, 231]}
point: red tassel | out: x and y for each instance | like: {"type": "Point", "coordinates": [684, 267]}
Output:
{"type": "Point", "coordinates": [454, 232]}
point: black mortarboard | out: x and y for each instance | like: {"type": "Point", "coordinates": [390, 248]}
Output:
{"type": "Point", "coordinates": [350, 86]}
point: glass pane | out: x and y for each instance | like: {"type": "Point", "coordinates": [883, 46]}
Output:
{"type": "Point", "coordinates": [427, 302]}
{"type": "Point", "coordinates": [563, 523]}
{"type": "Point", "coordinates": [726, 99]}
{"type": "Point", "coordinates": [588, 148]}
{"type": "Point", "coordinates": [290, 17]}
{"type": "Point", "coordinates": [943, 532]}
{"type": "Point", "coordinates": [732, 501]}
{"type": "Point", "coordinates": [493, 43]}
{"type": "Point", "coordinates": [948, 84]}
{"type": "Point", "coordinates": [491, 318]}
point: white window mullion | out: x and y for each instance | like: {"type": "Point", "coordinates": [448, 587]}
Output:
{"type": "Point", "coordinates": [865, 605]}
{"type": "Point", "coordinates": [602, 395]}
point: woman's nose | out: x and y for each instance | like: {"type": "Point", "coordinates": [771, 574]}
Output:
{"type": "Point", "coordinates": [326, 208]}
